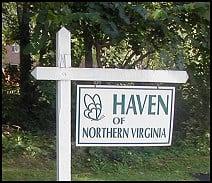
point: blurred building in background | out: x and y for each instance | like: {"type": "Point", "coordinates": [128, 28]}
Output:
{"type": "Point", "coordinates": [12, 56]}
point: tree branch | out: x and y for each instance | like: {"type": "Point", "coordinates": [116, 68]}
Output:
{"type": "Point", "coordinates": [105, 45]}
{"type": "Point", "coordinates": [126, 56]}
{"type": "Point", "coordinates": [141, 58]}
{"type": "Point", "coordinates": [147, 64]}
{"type": "Point", "coordinates": [99, 45]}
{"type": "Point", "coordinates": [128, 60]}
{"type": "Point", "coordinates": [98, 55]}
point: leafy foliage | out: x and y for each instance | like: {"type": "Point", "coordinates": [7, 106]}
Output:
{"type": "Point", "coordinates": [42, 114]}
{"type": "Point", "coordinates": [143, 35]}
{"type": "Point", "coordinates": [17, 142]}
{"type": "Point", "coordinates": [37, 152]}
{"type": "Point", "coordinates": [125, 160]}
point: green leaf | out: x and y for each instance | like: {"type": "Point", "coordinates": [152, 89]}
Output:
{"type": "Point", "coordinates": [42, 15]}
{"type": "Point", "coordinates": [203, 9]}
{"type": "Point", "coordinates": [141, 11]}
{"type": "Point", "coordinates": [123, 16]}
{"type": "Point", "coordinates": [94, 17]}
{"type": "Point", "coordinates": [159, 14]}
{"type": "Point", "coordinates": [30, 49]}
{"type": "Point", "coordinates": [189, 6]}
{"type": "Point", "coordinates": [110, 29]}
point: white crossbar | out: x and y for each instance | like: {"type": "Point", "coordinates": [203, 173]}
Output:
{"type": "Point", "coordinates": [101, 74]}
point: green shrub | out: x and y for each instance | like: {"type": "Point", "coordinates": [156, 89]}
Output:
{"type": "Point", "coordinates": [17, 142]}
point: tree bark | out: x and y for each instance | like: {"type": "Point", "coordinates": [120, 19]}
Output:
{"type": "Point", "coordinates": [25, 59]}
{"type": "Point", "coordinates": [98, 55]}
{"type": "Point", "coordinates": [88, 41]}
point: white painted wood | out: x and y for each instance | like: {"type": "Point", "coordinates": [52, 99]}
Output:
{"type": "Point", "coordinates": [100, 74]}
{"type": "Point", "coordinates": [63, 107]}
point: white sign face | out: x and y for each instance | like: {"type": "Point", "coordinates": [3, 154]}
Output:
{"type": "Point", "coordinates": [124, 115]}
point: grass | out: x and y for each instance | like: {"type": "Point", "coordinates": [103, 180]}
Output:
{"type": "Point", "coordinates": [28, 169]}
{"type": "Point", "coordinates": [156, 168]}
{"type": "Point", "coordinates": [28, 157]}
{"type": "Point", "coordinates": [160, 170]}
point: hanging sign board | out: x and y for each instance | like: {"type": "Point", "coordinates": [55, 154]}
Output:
{"type": "Point", "coordinates": [124, 115]}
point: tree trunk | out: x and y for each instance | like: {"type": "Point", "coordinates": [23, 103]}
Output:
{"type": "Point", "coordinates": [25, 59]}
{"type": "Point", "coordinates": [88, 41]}
{"type": "Point", "coordinates": [98, 55]}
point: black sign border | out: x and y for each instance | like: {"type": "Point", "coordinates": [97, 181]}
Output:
{"type": "Point", "coordinates": [102, 87]}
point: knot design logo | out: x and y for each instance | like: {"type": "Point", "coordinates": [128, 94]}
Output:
{"type": "Point", "coordinates": [93, 107]}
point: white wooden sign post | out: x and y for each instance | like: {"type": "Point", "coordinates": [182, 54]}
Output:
{"type": "Point", "coordinates": [63, 74]}
{"type": "Point", "coordinates": [63, 103]}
